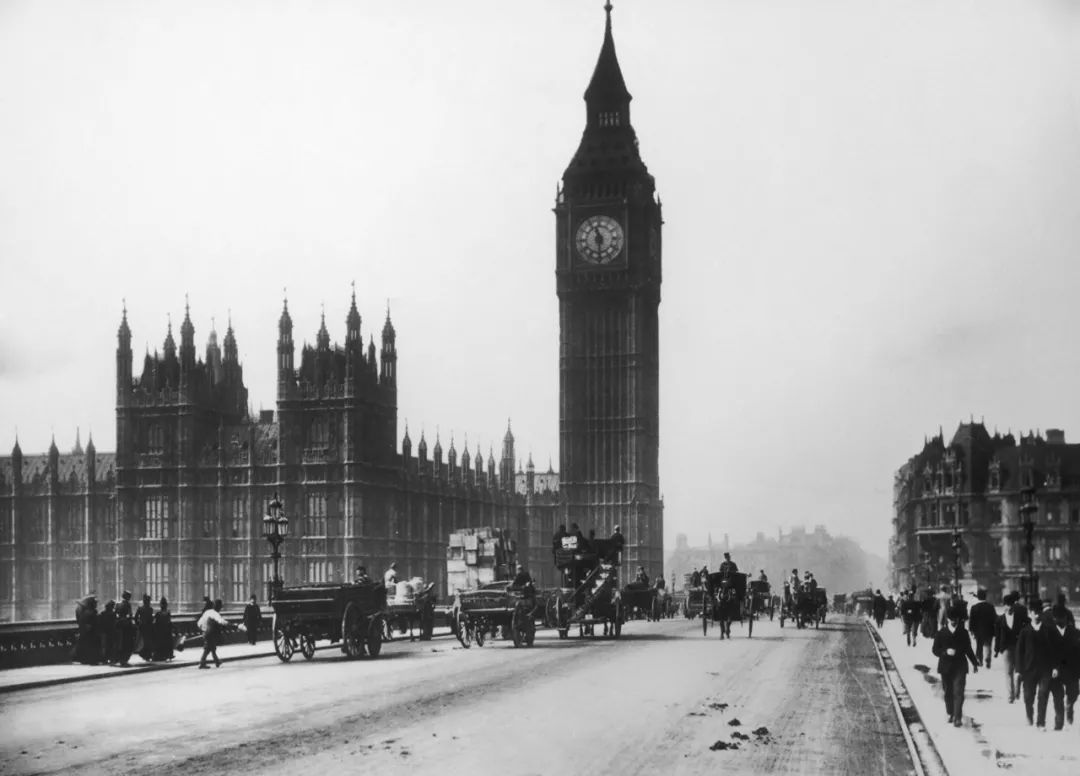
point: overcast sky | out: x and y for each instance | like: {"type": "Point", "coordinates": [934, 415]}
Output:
{"type": "Point", "coordinates": [872, 218]}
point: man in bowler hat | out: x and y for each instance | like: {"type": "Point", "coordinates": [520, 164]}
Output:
{"type": "Point", "coordinates": [952, 648]}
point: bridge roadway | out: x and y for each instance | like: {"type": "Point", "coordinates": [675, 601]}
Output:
{"type": "Point", "coordinates": [662, 699]}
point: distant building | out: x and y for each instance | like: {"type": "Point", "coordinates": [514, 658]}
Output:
{"type": "Point", "coordinates": [838, 563]}
{"type": "Point", "coordinates": [974, 483]}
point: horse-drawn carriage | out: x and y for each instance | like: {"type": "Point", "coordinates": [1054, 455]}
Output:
{"type": "Point", "coordinates": [802, 606]}
{"type": "Point", "coordinates": [723, 597]}
{"type": "Point", "coordinates": [353, 614]}
{"type": "Point", "coordinates": [640, 600]}
{"type": "Point", "coordinates": [760, 599]}
{"type": "Point", "coordinates": [494, 606]}
{"type": "Point", "coordinates": [591, 596]}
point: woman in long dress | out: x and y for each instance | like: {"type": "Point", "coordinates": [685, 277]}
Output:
{"type": "Point", "coordinates": [163, 635]}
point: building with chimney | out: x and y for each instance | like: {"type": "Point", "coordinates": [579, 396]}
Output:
{"type": "Point", "coordinates": [975, 484]}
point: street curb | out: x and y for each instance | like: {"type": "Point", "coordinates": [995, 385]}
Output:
{"type": "Point", "coordinates": [148, 668]}
{"type": "Point", "coordinates": [924, 754]}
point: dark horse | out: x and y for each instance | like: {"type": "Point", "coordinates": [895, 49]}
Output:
{"type": "Point", "coordinates": [723, 593]}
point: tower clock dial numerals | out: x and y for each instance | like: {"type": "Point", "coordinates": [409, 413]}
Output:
{"type": "Point", "coordinates": [599, 239]}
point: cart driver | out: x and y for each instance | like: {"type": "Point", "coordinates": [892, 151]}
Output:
{"type": "Point", "coordinates": [762, 576]}
{"type": "Point", "coordinates": [641, 576]}
{"type": "Point", "coordinates": [728, 567]}
{"type": "Point", "coordinates": [361, 576]}
{"type": "Point", "coordinates": [523, 581]}
{"type": "Point", "coordinates": [390, 577]}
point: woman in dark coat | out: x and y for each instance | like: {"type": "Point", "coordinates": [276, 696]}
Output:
{"type": "Point", "coordinates": [144, 621]}
{"type": "Point", "coordinates": [106, 626]}
{"type": "Point", "coordinates": [163, 635]}
{"type": "Point", "coordinates": [252, 619]}
{"type": "Point", "coordinates": [88, 648]}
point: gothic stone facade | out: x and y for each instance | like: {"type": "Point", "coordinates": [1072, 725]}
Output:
{"type": "Point", "coordinates": [177, 511]}
{"type": "Point", "coordinates": [974, 482]}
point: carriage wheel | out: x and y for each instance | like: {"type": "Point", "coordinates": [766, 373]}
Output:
{"type": "Point", "coordinates": [750, 627]}
{"type": "Point", "coordinates": [307, 646]}
{"type": "Point", "coordinates": [352, 631]}
{"type": "Point", "coordinates": [616, 624]}
{"type": "Point", "coordinates": [375, 635]}
{"type": "Point", "coordinates": [704, 623]}
{"type": "Point", "coordinates": [817, 622]}
{"type": "Point", "coordinates": [478, 633]}
{"type": "Point", "coordinates": [530, 632]}
{"type": "Point", "coordinates": [517, 626]}
{"type": "Point", "coordinates": [464, 630]}
{"type": "Point", "coordinates": [283, 644]}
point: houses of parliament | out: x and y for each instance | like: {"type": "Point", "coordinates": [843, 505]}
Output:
{"type": "Point", "coordinates": [177, 509]}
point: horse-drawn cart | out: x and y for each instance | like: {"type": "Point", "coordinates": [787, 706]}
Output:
{"type": "Point", "coordinates": [410, 609]}
{"type": "Point", "coordinates": [352, 614]}
{"type": "Point", "coordinates": [493, 606]}
{"type": "Point", "coordinates": [760, 599]}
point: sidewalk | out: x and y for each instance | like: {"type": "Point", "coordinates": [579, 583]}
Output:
{"type": "Point", "coordinates": [13, 679]}
{"type": "Point", "coordinates": [995, 735]}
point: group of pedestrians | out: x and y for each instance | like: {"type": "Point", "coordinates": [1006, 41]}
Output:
{"type": "Point", "coordinates": [1038, 649]}
{"type": "Point", "coordinates": [116, 632]}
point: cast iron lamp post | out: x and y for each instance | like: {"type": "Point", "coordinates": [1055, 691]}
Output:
{"type": "Point", "coordinates": [275, 529]}
{"type": "Point", "coordinates": [957, 544]}
{"type": "Point", "coordinates": [1028, 509]}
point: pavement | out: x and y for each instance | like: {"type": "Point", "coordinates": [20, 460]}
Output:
{"type": "Point", "coordinates": [14, 679]}
{"type": "Point", "coordinates": [995, 734]}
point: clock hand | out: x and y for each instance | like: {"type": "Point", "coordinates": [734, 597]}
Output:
{"type": "Point", "coordinates": [599, 240]}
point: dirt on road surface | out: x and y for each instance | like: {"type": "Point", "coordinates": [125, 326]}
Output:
{"type": "Point", "coordinates": [663, 699]}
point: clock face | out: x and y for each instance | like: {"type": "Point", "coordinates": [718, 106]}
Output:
{"type": "Point", "coordinates": [599, 239]}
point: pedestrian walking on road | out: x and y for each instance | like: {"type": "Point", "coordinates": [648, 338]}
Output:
{"type": "Point", "coordinates": [163, 633]}
{"type": "Point", "coordinates": [1007, 629]}
{"type": "Point", "coordinates": [1056, 640]}
{"type": "Point", "coordinates": [212, 624]}
{"type": "Point", "coordinates": [880, 606]}
{"type": "Point", "coordinates": [952, 648]}
{"type": "Point", "coordinates": [981, 620]}
{"type": "Point", "coordinates": [1030, 662]}
{"type": "Point", "coordinates": [253, 618]}
{"type": "Point", "coordinates": [911, 614]}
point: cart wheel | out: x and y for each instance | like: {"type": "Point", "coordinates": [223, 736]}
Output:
{"type": "Point", "coordinates": [307, 646]}
{"type": "Point", "coordinates": [517, 626]}
{"type": "Point", "coordinates": [704, 623]}
{"type": "Point", "coordinates": [374, 635]}
{"type": "Point", "coordinates": [616, 624]}
{"type": "Point", "coordinates": [750, 627]}
{"type": "Point", "coordinates": [464, 630]}
{"type": "Point", "coordinates": [478, 633]}
{"type": "Point", "coordinates": [283, 645]}
{"type": "Point", "coordinates": [352, 632]}
{"type": "Point", "coordinates": [529, 635]}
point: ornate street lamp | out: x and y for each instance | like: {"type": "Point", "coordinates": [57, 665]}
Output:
{"type": "Point", "coordinates": [275, 529]}
{"type": "Point", "coordinates": [1028, 509]}
{"type": "Point", "coordinates": [957, 544]}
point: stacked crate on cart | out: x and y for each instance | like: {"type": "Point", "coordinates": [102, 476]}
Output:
{"type": "Point", "coordinates": [477, 556]}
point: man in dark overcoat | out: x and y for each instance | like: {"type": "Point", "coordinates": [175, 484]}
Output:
{"type": "Point", "coordinates": [1007, 629]}
{"type": "Point", "coordinates": [1030, 661]}
{"type": "Point", "coordinates": [981, 621]}
{"type": "Point", "coordinates": [880, 607]}
{"type": "Point", "coordinates": [952, 648]}
{"type": "Point", "coordinates": [1057, 641]}
{"type": "Point", "coordinates": [911, 614]}
{"type": "Point", "coordinates": [107, 632]}
{"type": "Point", "coordinates": [163, 632]}
{"type": "Point", "coordinates": [88, 647]}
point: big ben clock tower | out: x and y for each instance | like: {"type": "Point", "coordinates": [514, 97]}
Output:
{"type": "Point", "coordinates": [607, 268]}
